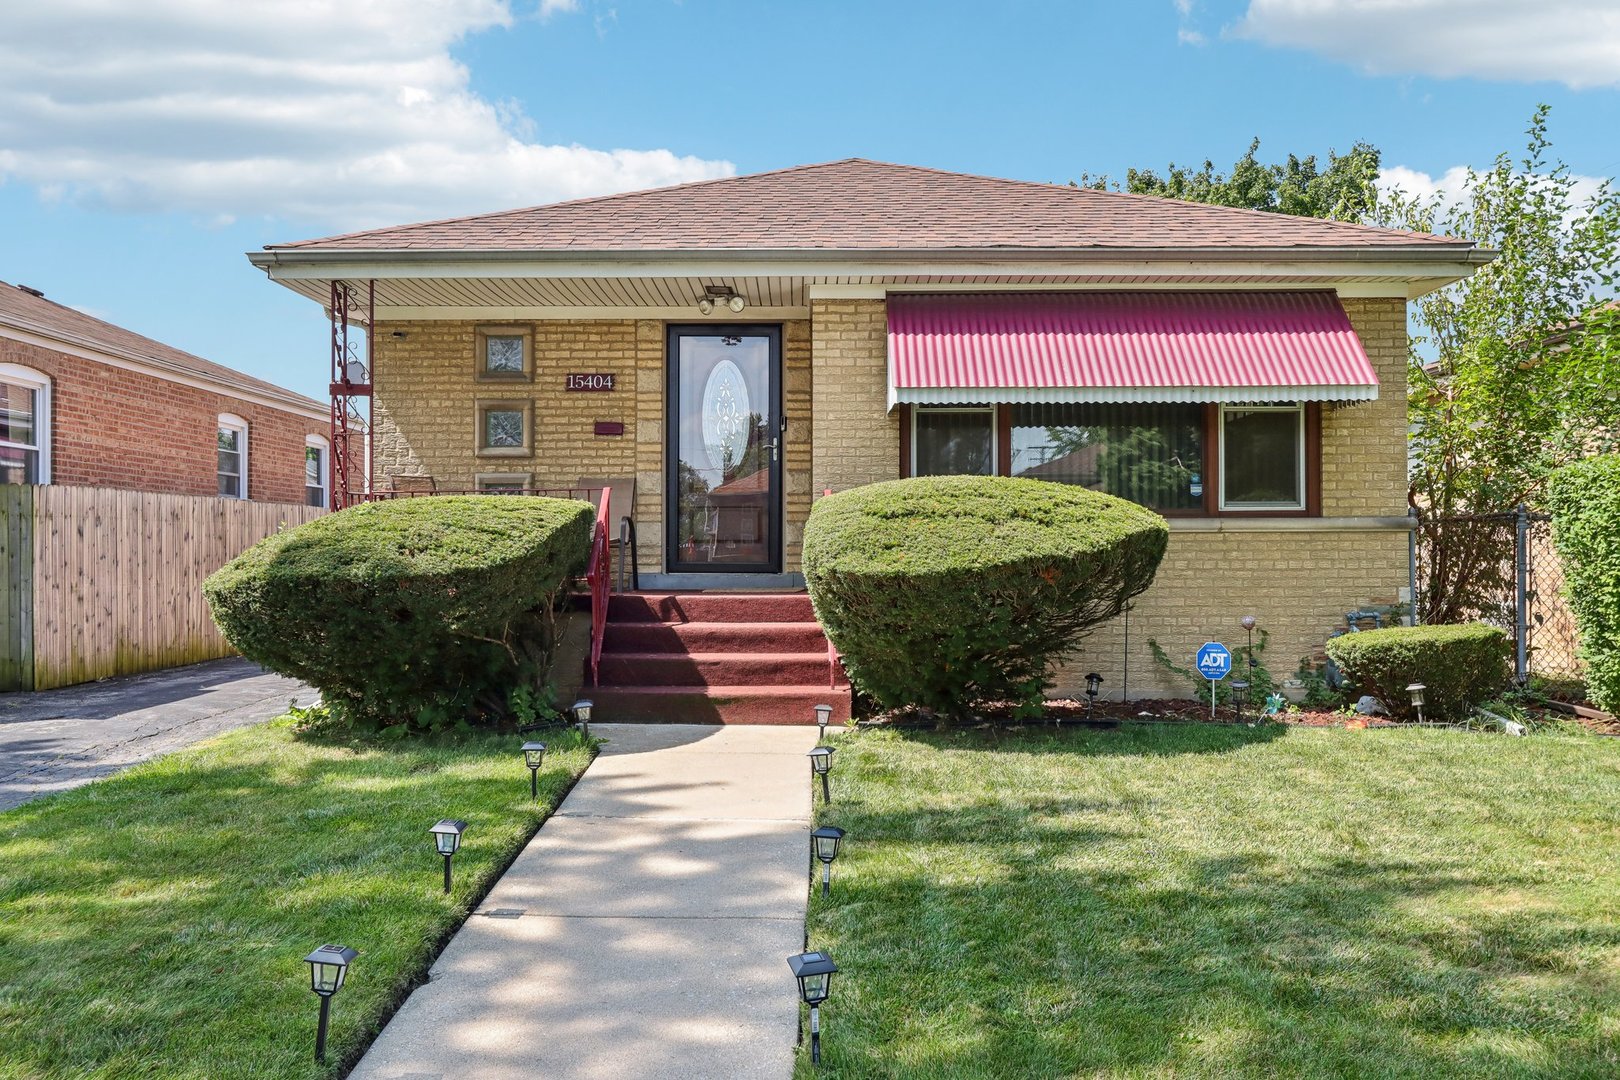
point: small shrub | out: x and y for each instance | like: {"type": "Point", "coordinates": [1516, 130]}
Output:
{"type": "Point", "coordinates": [1460, 667]}
{"type": "Point", "coordinates": [1585, 503]}
{"type": "Point", "coordinates": [417, 613]}
{"type": "Point", "coordinates": [943, 592]}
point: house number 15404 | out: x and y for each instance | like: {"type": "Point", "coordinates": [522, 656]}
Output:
{"type": "Point", "coordinates": [590, 382]}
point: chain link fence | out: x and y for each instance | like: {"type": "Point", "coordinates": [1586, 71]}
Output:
{"type": "Point", "coordinates": [1501, 569]}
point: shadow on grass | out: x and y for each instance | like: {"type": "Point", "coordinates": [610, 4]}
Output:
{"type": "Point", "coordinates": [1129, 739]}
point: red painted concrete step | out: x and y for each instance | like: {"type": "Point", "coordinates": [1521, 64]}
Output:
{"type": "Point", "coordinates": [700, 637]}
{"type": "Point", "coordinates": [715, 669]}
{"type": "Point", "coordinates": [717, 704]}
{"type": "Point", "coordinates": [717, 657]}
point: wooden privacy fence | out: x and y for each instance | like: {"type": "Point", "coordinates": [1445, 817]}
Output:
{"type": "Point", "coordinates": [97, 582]}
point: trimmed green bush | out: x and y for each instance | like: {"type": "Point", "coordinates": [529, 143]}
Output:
{"type": "Point", "coordinates": [946, 591]}
{"type": "Point", "coordinates": [414, 613]}
{"type": "Point", "coordinates": [1460, 667]}
{"type": "Point", "coordinates": [1585, 503]}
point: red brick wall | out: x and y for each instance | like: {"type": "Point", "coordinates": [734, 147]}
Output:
{"type": "Point", "coordinates": [111, 427]}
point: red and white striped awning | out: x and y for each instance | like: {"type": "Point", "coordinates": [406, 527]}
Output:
{"type": "Point", "coordinates": [983, 348]}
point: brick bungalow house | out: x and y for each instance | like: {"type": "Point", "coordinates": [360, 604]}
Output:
{"type": "Point", "coordinates": [84, 402]}
{"type": "Point", "coordinates": [740, 346]}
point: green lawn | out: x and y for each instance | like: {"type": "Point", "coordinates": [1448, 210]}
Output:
{"type": "Point", "coordinates": [154, 924]}
{"type": "Point", "coordinates": [1220, 901]}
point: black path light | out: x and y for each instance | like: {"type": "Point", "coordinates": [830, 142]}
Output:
{"type": "Point", "coordinates": [820, 765]}
{"type": "Point", "coordinates": [824, 846]}
{"type": "Point", "coordinates": [582, 716]}
{"type": "Point", "coordinates": [823, 716]}
{"type": "Point", "coordinates": [814, 970]}
{"type": "Point", "coordinates": [534, 755]}
{"type": "Point", "coordinates": [1093, 685]}
{"type": "Point", "coordinates": [328, 965]}
{"type": "Point", "coordinates": [447, 838]}
{"type": "Point", "coordinates": [1240, 695]}
{"type": "Point", "coordinates": [1416, 690]}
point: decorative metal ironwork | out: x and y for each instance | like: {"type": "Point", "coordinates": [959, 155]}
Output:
{"type": "Point", "coordinates": [350, 380]}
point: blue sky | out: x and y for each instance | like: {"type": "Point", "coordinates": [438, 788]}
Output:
{"type": "Point", "coordinates": [145, 146]}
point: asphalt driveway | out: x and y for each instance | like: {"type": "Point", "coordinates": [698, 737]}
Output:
{"type": "Point", "coordinates": [52, 740]}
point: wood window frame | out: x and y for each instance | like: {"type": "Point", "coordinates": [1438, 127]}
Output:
{"type": "Point", "coordinates": [1310, 466]}
{"type": "Point", "coordinates": [1211, 460]}
{"type": "Point", "coordinates": [1000, 436]}
{"type": "Point", "coordinates": [481, 336]}
{"type": "Point", "coordinates": [486, 405]}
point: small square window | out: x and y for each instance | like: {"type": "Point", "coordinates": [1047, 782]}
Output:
{"type": "Point", "coordinates": [504, 483]}
{"type": "Point", "coordinates": [502, 353]}
{"type": "Point", "coordinates": [503, 428]}
{"type": "Point", "coordinates": [1262, 457]}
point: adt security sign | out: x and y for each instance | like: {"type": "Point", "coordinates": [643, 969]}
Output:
{"type": "Point", "coordinates": [1214, 661]}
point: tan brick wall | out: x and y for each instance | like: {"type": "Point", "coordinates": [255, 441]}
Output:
{"type": "Point", "coordinates": [1364, 445]}
{"type": "Point", "coordinates": [1297, 584]}
{"type": "Point", "coordinates": [855, 440]}
{"type": "Point", "coordinates": [426, 397]}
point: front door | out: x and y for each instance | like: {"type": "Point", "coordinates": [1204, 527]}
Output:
{"type": "Point", "coordinates": [724, 480]}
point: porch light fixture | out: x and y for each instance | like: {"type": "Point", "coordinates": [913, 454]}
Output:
{"type": "Point", "coordinates": [447, 838]}
{"type": "Point", "coordinates": [1416, 690]}
{"type": "Point", "coordinates": [534, 755]}
{"type": "Point", "coordinates": [1240, 695]}
{"type": "Point", "coordinates": [1093, 686]}
{"type": "Point", "coordinates": [328, 965]}
{"type": "Point", "coordinates": [820, 765]}
{"type": "Point", "coordinates": [814, 970]}
{"type": "Point", "coordinates": [824, 846]}
{"type": "Point", "coordinates": [582, 716]}
{"type": "Point", "coordinates": [721, 296]}
{"type": "Point", "coordinates": [823, 716]}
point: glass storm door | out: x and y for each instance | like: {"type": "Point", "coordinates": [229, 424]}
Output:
{"type": "Point", "coordinates": [725, 449]}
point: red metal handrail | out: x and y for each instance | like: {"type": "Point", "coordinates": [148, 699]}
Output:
{"type": "Point", "coordinates": [598, 576]}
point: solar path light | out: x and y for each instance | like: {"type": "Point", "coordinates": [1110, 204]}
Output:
{"type": "Point", "coordinates": [1093, 685]}
{"type": "Point", "coordinates": [814, 970]}
{"type": "Point", "coordinates": [447, 838]}
{"type": "Point", "coordinates": [1416, 690]}
{"type": "Point", "coordinates": [582, 716]}
{"type": "Point", "coordinates": [534, 755]}
{"type": "Point", "coordinates": [327, 967]}
{"type": "Point", "coordinates": [823, 715]}
{"type": "Point", "coordinates": [820, 765]}
{"type": "Point", "coordinates": [824, 846]}
{"type": "Point", "coordinates": [1240, 695]}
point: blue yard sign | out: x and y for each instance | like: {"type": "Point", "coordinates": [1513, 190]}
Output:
{"type": "Point", "coordinates": [1214, 662]}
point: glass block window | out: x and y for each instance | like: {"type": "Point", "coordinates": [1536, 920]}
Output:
{"type": "Point", "coordinates": [503, 355]}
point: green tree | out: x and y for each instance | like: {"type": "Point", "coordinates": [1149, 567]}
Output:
{"type": "Point", "coordinates": [1512, 371]}
{"type": "Point", "coordinates": [1344, 191]}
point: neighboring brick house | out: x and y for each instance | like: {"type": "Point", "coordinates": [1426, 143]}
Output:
{"type": "Point", "coordinates": [770, 337]}
{"type": "Point", "coordinates": [85, 402]}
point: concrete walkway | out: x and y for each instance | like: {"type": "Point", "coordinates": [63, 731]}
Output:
{"type": "Point", "coordinates": [643, 932]}
{"type": "Point", "coordinates": [51, 740]}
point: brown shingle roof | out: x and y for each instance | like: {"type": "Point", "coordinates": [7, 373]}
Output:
{"type": "Point", "coordinates": [21, 309]}
{"type": "Point", "coordinates": [860, 205]}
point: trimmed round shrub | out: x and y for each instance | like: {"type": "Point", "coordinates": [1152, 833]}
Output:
{"type": "Point", "coordinates": [1460, 667]}
{"type": "Point", "coordinates": [413, 613]}
{"type": "Point", "coordinates": [946, 591]}
{"type": "Point", "coordinates": [1585, 503]}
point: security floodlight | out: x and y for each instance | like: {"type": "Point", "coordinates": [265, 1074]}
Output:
{"type": "Point", "coordinates": [814, 970]}
{"type": "Point", "coordinates": [705, 306]}
{"type": "Point", "coordinates": [736, 304]}
{"type": "Point", "coordinates": [823, 716]}
{"type": "Point", "coordinates": [1416, 690]}
{"type": "Point", "coordinates": [1093, 686]}
{"type": "Point", "coordinates": [534, 754]}
{"type": "Point", "coordinates": [447, 838]}
{"type": "Point", "coordinates": [328, 965]}
{"type": "Point", "coordinates": [824, 846]}
{"type": "Point", "coordinates": [582, 716]}
{"type": "Point", "coordinates": [820, 764]}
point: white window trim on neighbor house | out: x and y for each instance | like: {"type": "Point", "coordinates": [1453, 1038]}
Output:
{"type": "Point", "coordinates": [324, 474]}
{"type": "Point", "coordinates": [232, 422]}
{"type": "Point", "coordinates": [40, 383]}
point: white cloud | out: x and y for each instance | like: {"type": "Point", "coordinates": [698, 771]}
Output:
{"type": "Point", "coordinates": [1575, 42]}
{"type": "Point", "coordinates": [1451, 184]}
{"type": "Point", "coordinates": [341, 113]}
